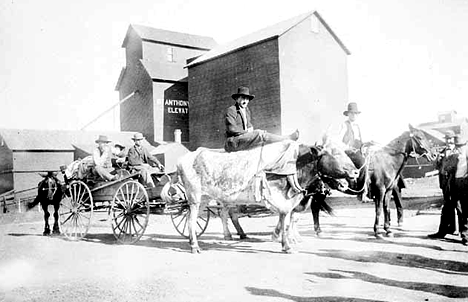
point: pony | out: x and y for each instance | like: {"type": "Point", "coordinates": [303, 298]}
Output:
{"type": "Point", "coordinates": [384, 167]}
{"type": "Point", "coordinates": [228, 178]}
{"type": "Point", "coordinates": [49, 192]}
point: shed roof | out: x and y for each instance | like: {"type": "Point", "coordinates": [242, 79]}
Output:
{"type": "Point", "coordinates": [170, 37]}
{"type": "Point", "coordinates": [262, 35]}
{"type": "Point", "coordinates": [60, 140]}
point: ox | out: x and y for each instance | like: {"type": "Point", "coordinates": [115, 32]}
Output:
{"type": "Point", "coordinates": [238, 177]}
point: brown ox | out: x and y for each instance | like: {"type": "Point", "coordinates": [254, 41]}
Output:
{"type": "Point", "coordinates": [230, 178]}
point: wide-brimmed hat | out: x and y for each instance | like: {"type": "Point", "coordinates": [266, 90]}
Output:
{"type": "Point", "coordinates": [138, 136]}
{"type": "Point", "coordinates": [352, 107]}
{"type": "Point", "coordinates": [459, 140]}
{"type": "Point", "coordinates": [449, 134]}
{"type": "Point", "coordinates": [102, 139]}
{"type": "Point", "coordinates": [243, 91]}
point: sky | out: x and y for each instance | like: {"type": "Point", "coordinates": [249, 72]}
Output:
{"type": "Point", "coordinates": [60, 60]}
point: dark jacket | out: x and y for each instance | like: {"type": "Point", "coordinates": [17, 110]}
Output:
{"type": "Point", "coordinates": [139, 156]}
{"type": "Point", "coordinates": [234, 121]}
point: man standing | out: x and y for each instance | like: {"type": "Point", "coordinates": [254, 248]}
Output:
{"type": "Point", "coordinates": [460, 193]}
{"type": "Point", "coordinates": [447, 218]}
{"type": "Point", "coordinates": [239, 130]}
{"type": "Point", "coordinates": [102, 159]}
{"type": "Point", "coordinates": [141, 160]}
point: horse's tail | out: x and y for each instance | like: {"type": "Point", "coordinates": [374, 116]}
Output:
{"type": "Point", "coordinates": [319, 203]}
{"type": "Point", "coordinates": [34, 203]}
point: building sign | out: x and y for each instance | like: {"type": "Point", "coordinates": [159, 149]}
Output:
{"type": "Point", "coordinates": [176, 106]}
{"type": "Point", "coordinates": [176, 117]}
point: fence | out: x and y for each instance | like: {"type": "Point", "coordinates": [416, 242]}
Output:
{"type": "Point", "coordinates": [10, 199]}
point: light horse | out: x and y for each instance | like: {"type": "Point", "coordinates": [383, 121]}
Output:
{"type": "Point", "coordinates": [49, 192]}
{"type": "Point", "coordinates": [226, 177]}
{"type": "Point", "coordinates": [385, 166]}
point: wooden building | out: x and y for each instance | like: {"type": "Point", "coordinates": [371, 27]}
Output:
{"type": "Point", "coordinates": [155, 61]}
{"type": "Point", "coordinates": [297, 70]}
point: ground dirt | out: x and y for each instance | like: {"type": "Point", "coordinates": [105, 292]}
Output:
{"type": "Point", "coordinates": [346, 263]}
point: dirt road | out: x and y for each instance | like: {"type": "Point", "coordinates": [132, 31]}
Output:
{"type": "Point", "coordinates": [345, 264]}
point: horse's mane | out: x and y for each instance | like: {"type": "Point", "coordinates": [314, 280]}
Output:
{"type": "Point", "coordinates": [399, 143]}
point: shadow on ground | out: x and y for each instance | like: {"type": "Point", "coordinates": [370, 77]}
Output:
{"type": "Point", "coordinates": [408, 260]}
{"type": "Point", "coordinates": [448, 291]}
{"type": "Point", "coordinates": [277, 294]}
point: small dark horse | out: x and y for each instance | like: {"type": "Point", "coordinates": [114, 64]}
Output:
{"type": "Point", "coordinates": [49, 192]}
{"type": "Point", "coordinates": [385, 168]}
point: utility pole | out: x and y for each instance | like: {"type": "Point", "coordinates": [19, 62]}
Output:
{"type": "Point", "coordinates": [112, 107]}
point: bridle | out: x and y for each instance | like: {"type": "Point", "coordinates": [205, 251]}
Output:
{"type": "Point", "coordinates": [51, 187]}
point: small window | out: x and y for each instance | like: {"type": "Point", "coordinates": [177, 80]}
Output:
{"type": "Point", "coordinates": [170, 54]}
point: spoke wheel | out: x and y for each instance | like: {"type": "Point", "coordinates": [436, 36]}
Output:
{"type": "Point", "coordinates": [180, 221]}
{"type": "Point", "coordinates": [130, 212]}
{"type": "Point", "coordinates": [76, 210]}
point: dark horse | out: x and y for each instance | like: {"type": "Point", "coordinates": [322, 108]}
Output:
{"type": "Point", "coordinates": [385, 167]}
{"type": "Point", "coordinates": [49, 192]}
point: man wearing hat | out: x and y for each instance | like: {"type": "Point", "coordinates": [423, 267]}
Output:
{"type": "Point", "coordinates": [240, 134]}
{"type": "Point", "coordinates": [140, 159]}
{"type": "Point", "coordinates": [102, 159]}
{"type": "Point", "coordinates": [239, 130]}
{"type": "Point", "coordinates": [447, 218]}
{"type": "Point", "coordinates": [350, 132]}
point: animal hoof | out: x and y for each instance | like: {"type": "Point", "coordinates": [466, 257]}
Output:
{"type": "Point", "coordinates": [46, 233]}
{"type": "Point", "coordinates": [389, 234]}
{"type": "Point", "coordinates": [228, 238]}
{"type": "Point", "coordinates": [196, 250]}
{"type": "Point", "coordinates": [242, 237]}
{"type": "Point", "coordinates": [379, 236]}
{"type": "Point", "coordinates": [289, 251]}
{"type": "Point", "coordinates": [56, 232]}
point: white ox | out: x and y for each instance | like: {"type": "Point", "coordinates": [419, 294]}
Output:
{"type": "Point", "coordinates": [231, 179]}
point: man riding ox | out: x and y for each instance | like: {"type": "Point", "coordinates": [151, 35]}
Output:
{"type": "Point", "coordinates": [242, 136]}
{"type": "Point", "coordinates": [262, 170]}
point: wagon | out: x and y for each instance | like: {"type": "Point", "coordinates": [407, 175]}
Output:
{"type": "Point", "coordinates": [128, 204]}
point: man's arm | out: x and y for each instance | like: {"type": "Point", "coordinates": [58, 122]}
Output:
{"type": "Point", "coordinates": [153, 159]}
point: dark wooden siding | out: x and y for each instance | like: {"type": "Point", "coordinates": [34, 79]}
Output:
{"type": "Point", "coordinates": [212, 83]}
{"type": "Point", "coordinates": [137, 112]}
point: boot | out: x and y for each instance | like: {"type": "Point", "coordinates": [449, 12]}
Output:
{"type": "Point", "coordinates": [294, 183]}
{"type": "Point", "coordinates": [294, 136]}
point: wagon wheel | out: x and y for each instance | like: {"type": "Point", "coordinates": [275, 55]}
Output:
{"type": "Point", "coordinates": [76, 210]}
{"type": "Point", "coordinates": [180, 221]}
{"type": "Point", "coordinates": [130, 212]}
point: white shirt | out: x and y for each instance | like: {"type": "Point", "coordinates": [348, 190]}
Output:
{"type": "Point", "coordinates": [462, 167]}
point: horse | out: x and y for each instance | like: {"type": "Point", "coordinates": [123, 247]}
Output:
{"type": "Point", "coordinates": [385, 166]}
{"type": "Point", "coordinates": [231, 178]}
{"type": "Point", "coordinates": [49, 192]}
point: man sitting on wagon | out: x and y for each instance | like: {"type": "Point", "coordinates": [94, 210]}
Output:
{"type": "Point", "coordinates": [102, 159]}
{"type": "Point", "coordinates": [140, 159]}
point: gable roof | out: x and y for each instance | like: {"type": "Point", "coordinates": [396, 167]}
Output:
{"type": "Point", "coordinates": [264, 34]}
{"type": "Point", "coordinates": [170, 37]}
{"type": "Point", "coordinates": [165, 71]}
